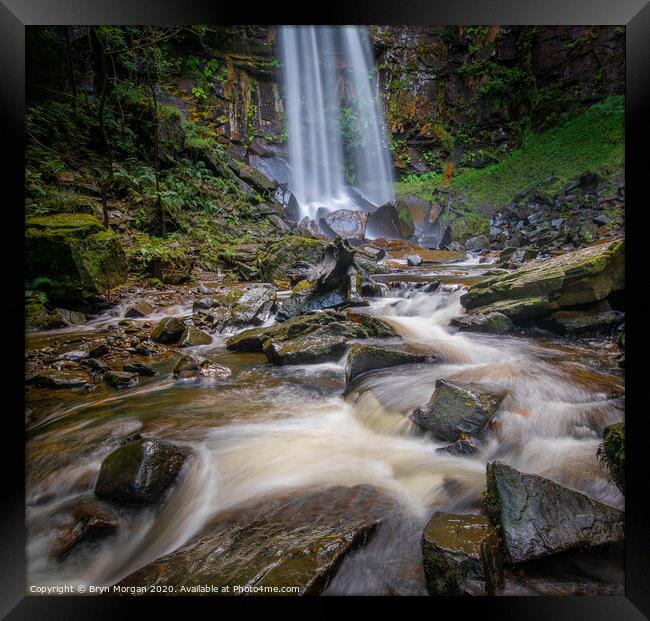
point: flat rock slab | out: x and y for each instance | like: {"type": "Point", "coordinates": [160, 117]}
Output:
{"type": "Point", "coordinates": [580, 277]}
{"type": "Point", "coordinates": [288, 541]}
{"type": "Point", "coordinates": [458, 409]}
{"type": "Point", "coordinates": [460, 554]}
{"type": "Point", "coordinates": [491, 323]}
{"type": "Point", "coordinates": [538, 517]}
{"type": "Point", "coordinates": [364, 358]}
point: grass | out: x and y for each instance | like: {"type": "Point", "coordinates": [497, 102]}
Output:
{"type": "Point", "coordinates": [592, 141]}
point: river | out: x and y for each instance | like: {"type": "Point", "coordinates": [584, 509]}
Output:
{"type": "Point", "coordinates": [271, 429]}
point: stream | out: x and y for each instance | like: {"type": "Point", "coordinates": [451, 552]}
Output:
{"type": "Point", "coordinates": [268, 430]}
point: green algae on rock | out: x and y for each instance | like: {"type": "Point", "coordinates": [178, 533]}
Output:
{"type": "Point", "coordinates": [73, 255]}
{"type": "Point", "coordinates": [580, 277]}
{"type": "Point", "coordinates": [612, 453]}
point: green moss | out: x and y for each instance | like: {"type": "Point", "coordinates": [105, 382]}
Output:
{"type": "Point", "coordinates": [612, 453]}
{"type": "Point", "coordinates": [592, 141]}
{"type": "Point", "coordinates": [275, 263]}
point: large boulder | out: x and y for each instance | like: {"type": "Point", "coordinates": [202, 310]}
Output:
{"type": "Point", "coordinates": [612, 453]}
{"type": "Point", "coordinates": [480, 242]}
{"type": "Point", "coordinates": [491, 323]}
{"type": "Point", "coordinates": [363, 358]}
{"type": "Point", "coordinates": [537, 517]}
{"type": "Point", "coordinates": [584, 322]}
{"type": "Point", "coordinates": [296, 541]}
{"type": "Point", "coordinates": [458, 409]}
{"type": "Point", "coordinates": [168, 330]}
{"type": "Point", "coordinates": [73, 256]}
{"type": "Point", "coordinates": [315, 337]}
{"type": "Point", "coordinates": [140, 471]}
{"type": "Point", "coordinates": [580, 277]}
{"type": "Point", "coordinates": [277, 262]}
{"type": "Point", "coordinates": [346, 223]}
{"type": "Point", "coordinates": [390, 221]}
{"type": "Point", "coordinates": [460, 555]}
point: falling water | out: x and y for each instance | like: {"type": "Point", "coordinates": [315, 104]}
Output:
{"type": "Point", "coordinates": [327, 73]}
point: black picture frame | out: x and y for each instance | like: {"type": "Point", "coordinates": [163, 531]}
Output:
{"type": "Point", "coordinates": [634, 14]}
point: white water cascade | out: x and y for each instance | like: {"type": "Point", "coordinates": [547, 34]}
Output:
{"type": "Point", "coordinates": [330, 94]}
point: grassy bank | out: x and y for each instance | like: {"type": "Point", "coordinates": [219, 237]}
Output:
{"type": "Point", "coordinates": [592, 141]}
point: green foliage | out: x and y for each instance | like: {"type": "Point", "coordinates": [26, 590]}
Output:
{"type": "Point", "coordinates": [594, 140]}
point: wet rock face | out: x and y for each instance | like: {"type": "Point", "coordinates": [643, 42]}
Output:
{"type": "Point", "coordinates": [537, 517]}
{"type": "Point", "coordinates": [140, 471]}
{"type": "Point", "coordinates": [391, 221]}
{"type": "Point", "coordinates": [168, 330]}
{"type": "Point", "coordinates": [612, 453]}
{"type": "Point", "coordinates": [75, 253]}
{"type": "Point", "coordinates": [492, 323]}
{"type": "Point", "coordinates": [457, 408]}
{"type": "Point", "coordinates": [364, 358]}
{"type": "Point", "coordinates": [193, 336]}
{"type": "Point", "coordinates": [580, 277]}
{"type": "Point", "coordinates": [298, 541]}
{"type": "Point", "coordinates": [460, 447]}
{"type": "Point", "coordinates": [460, 555]}
{"type": "Point", "coordinates": [580, 322]}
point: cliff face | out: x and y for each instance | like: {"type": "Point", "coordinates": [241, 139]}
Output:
{"type": "Point", "coordinates": [458, 93]}
{"type": "Point", "coordinates": [451, 91]}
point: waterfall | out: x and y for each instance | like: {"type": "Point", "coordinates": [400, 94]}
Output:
{"type": "Point", "coordinates": [337, 136]}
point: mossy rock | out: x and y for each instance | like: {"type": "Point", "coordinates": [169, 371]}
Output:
{"type": "Point", "coordinates": [612, 453]}
{"type": "Point", "coordinates": [586, 275]}
{"type": "Point", "coordinates": [140, 471]}
{"type": "Point", "coordinates": [281, 256]}
{"type": "Point", "coordinates": [73, 255]}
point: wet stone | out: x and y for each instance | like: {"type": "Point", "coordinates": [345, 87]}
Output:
{"type": "Point", "coordinates": [460, 555]}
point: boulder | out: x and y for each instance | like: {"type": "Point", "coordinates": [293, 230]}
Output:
{"type": "Point", "coordinates": [612, 453]}
{"type": "Point", "coordinates": [192, 337]}
{"type": "Point", "coordinates": [460, 555]}
{"type": "Point", "coordinates": [70, 318]}
{"type": "Point", "coordinates": [537, 517]}
{"type": "Point", "coordinates": [65, 378]}
{"type": "Point", "coordinates": [580, 322]}
{"type": "Point", "coordinates": [345, 223]}
{"type": "Point", "coordinates": [140, 368]}
{"type": "Point", "coordinates": [281, 256]}
{"type": "Point", "coordinates": [139, 309]}
{"type": "Point", "coordinates": [168, 330]}
{"type": "Point", "coordinates": [140, 471]}
{"type": "Point", "coordinates": [90, 523]}
{"type": "Point", "coordinates": [364, 358]}
{"type": "Point", "coordinates": [478, 243]}
{"type": "Point", "coordinates": [315, 337]}
{"type": "Point", "coordinates": [253, 307]}
{"type": "Point", "coordinates": [457, 409]}
{"type": "Point", "coordinates": [414, 260]}
{"type": "Point", "coordinates": [120, 379]}
{"type": "Point", "coordinates": [580, 277]}
{"type": "Point", "coordinates": [297, 540]}
{"type": "Point", "coordinates": [73, 255]}
{"type": "Point", "coordinates": [492, 323]}
{"type": "Point", "coordinates": [195, 368]}
{"type": "Point", "coordinates": [390, 221]}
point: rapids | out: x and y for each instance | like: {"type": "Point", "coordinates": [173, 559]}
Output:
{"type": "Point", "coordinates": [274, 429]}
